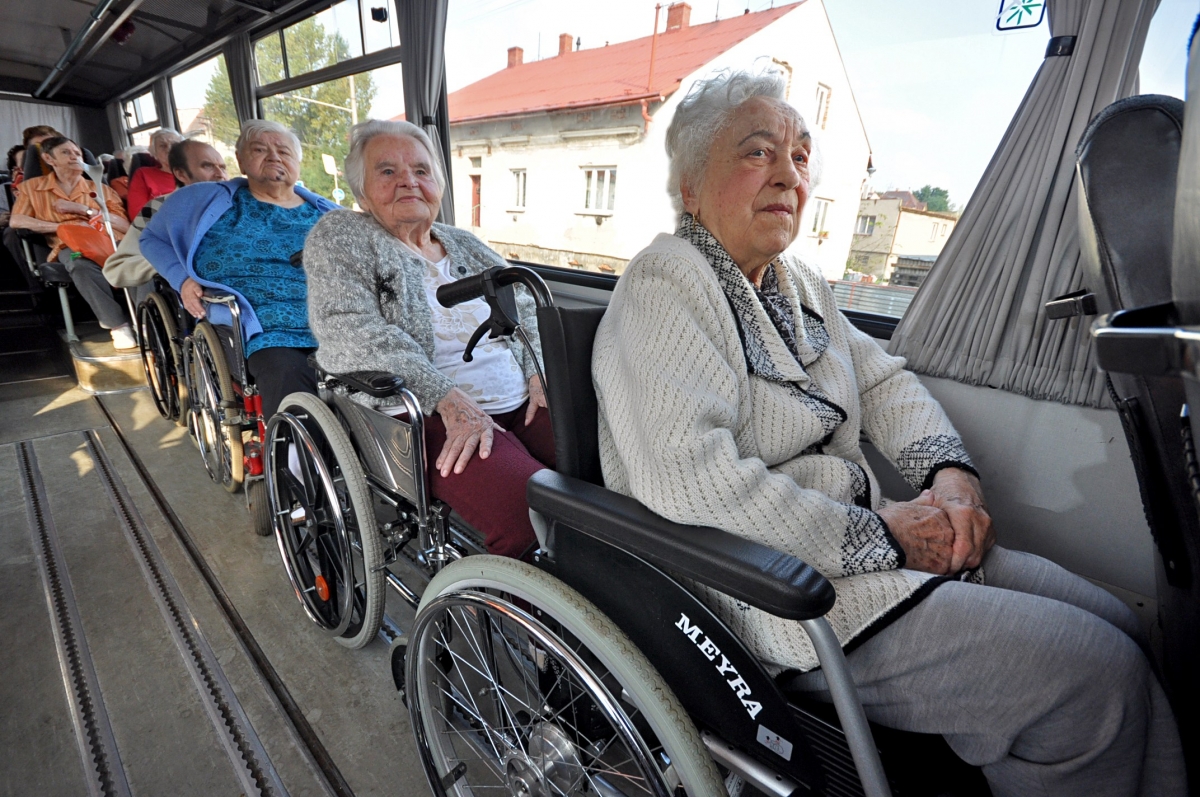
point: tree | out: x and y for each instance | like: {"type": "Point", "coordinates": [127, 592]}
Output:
{"type": "Point", "coordinates": [936, 199]}
{"type": "Point", "coordinates": [320, 115]}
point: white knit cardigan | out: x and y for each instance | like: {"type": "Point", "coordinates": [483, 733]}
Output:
{"type": "Point", "coordinates": [691, 430]}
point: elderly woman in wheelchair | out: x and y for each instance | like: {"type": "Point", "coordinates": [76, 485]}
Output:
{"type": "Point", "coordinates": [732, 392]}
{"type": "Point", "coordinates": [230, 249]}
{"type": "Point", "coordinates": [372, 278]}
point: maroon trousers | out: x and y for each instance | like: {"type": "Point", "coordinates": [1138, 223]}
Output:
{"type": "Point", "coordinates": [490, 493]}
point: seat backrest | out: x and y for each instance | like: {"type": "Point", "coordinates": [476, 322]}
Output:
{"type": "Point", "coordinates": [141, 160]}
{"type": "Point", "coordinates": [1185, 280]}
{"type": "Point", "coordinates": [567, 336]}
{"type": "Point", "coordinates": [1127, 162]}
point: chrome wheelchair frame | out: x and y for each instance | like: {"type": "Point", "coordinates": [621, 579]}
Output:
{"type": "Point", "coordinates": [188, 368]}
{"type": "Point", "coordinates": [494, 640]}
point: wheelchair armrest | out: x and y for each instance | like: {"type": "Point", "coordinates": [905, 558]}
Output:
{"type": "Point", "coordinates": [379, 384]}
{"type": "Point", "coordinates": [767, 579]}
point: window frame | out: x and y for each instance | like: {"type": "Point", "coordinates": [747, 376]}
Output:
{"type": "Point", "coordinates": [521, 179]}
{"type": "Point", "coordinates": [354, 66]}
{"type": "Point", "coordinates": [820, 213]}
{"type": "Point", "coordinates": [866, 225]}
{"type": "Point", "coordinates": [609, 182]}
{"type": "Point", "coordinates": [824, 93]}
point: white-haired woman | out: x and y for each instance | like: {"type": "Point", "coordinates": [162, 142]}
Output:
{"type": "Point", "coordinates": [239, 235]}
{"type": "Point", "coordinates": [371, 304]}
{"type": "Point", "coordinates": [149, 183]}
{"type": "Point", "coordinates": [733, 393]}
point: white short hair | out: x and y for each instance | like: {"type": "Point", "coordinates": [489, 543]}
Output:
{"type": "Point", "coordinates": [254, 129]}
{"type": "Point", "coordinates": [161, 133]}
{"type": "Point", "coordinates": [363, 132]}
{"type": "Point", "coordinates": [705, 111]}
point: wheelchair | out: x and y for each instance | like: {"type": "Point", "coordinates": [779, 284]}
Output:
{"type": "Point", "coordinates": [592, 669]}
{"type": "Point", "coordinates": [220, 405]}
{"type": "Point", "coordinates": [163, 326]}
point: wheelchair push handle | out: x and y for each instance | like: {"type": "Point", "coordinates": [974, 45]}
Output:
{"type": "Point", "coordinates": [488, 283]}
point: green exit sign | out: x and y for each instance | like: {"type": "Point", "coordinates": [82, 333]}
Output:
{"type": "Point", "coordinates": [1017, 14]}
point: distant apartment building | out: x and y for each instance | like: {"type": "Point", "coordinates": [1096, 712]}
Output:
{"type": "Point", "coordinates": [562, 161]}
{"type": "Point", "coordinates": [896, 238]}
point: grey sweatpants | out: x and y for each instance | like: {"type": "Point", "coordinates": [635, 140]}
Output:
{"type": "Point", "coordinates": [95, 290]}
{"type": "Point", "coordinates": [1037, 678]}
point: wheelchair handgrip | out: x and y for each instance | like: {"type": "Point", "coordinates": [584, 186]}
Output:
{"type": "Point", "coordinates": [463, 290]}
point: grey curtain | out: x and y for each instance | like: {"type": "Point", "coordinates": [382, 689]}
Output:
{"type": "Point", "coordinates": [239, 63]}
{"type": "Point", "coordinates": [979, 316]}
{"type": "Point", "coordinates": [164, 102]}
{"type": "Point", "coordinates": [423, 39]}
{"type": "Point", "coordinates": [116, 126]}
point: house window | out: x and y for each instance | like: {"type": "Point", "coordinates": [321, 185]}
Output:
{"type": "Point", "coordinates": [822, 116]}
{"type": "Point", "coordinates": [600, 188]}
{"type": "Point", "coordinates": [519, 186]}
{"type": "Point", "coordinates": [933, 235]}
{"type": "Point", "coordinates": [866, 225]}
{"type": "Point", "coordinates": [819, 212]}
{"type": "Point", "coordinates": [476, 162]}
{"type": "Point", "coordinates": [943, 230]}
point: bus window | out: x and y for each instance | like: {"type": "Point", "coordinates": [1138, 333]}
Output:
{"type": "Point", "coordinates": [1164, 57]}
{"type": "Point", "coordinates": [204, 105]}
{"type": "Point", "coordinates": [322, 114]}
{"type": "Point", "coordinates": [549, 102]}
{"type": "Point", "coordinates": [141, 118]}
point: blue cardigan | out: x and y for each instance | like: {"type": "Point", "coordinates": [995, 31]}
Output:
{"type": "Point", "coordinates": [171, 238]}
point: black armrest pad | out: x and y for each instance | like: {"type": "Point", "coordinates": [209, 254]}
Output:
{"type": "Point", "coordinates": [748, 571]}
{"type": "Point", "coordinates": [379, 384]}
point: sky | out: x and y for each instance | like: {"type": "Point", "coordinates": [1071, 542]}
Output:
{"type": "Point", "coordinates": [935, 83]}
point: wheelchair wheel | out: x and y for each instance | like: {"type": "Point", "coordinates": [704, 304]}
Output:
{"type": "Point", "coordinates": [260, 507]}
{"type": "Point", "coordinates": [324, 520]}
{"type": "Point", "coordinates": [156, 329]}
{"type": "Point", "coordinates": [220, 444]}
{"type": "Point", "coordinates": [518, 685]}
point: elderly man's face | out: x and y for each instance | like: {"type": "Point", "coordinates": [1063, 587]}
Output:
{"type": "Point", "coordinates": [398, 182]}
{"type": "Point", "coordinates": [270, 158]}
{"type": "Point", "coordinates": [205, 165]}
{"type": "Point", "coordinates": [756, 182]}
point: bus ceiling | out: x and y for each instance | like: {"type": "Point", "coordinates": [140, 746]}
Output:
{"type": "Point", "coordinates": [93, 54]}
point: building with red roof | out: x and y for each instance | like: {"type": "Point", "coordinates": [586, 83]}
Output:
{"type": "Point", "coordinates": [562, 160]}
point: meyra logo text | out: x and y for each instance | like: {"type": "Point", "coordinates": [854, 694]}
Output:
{"type": "Point", "coordinates": [724, 668]}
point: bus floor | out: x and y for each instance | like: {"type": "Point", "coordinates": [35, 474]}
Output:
{"type": "Point", "coordinates": [125, 669]}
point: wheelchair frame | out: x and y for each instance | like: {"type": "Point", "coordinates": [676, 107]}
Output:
{"type": "Point", "coordinates": [746, 723]}
{"type": "Point", "coordinates": [183, 360]}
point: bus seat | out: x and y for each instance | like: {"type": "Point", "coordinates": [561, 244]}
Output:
{"type": "Point", "coordinates": [1126, 171]}
{"type": "Point", "coordinates": [1149, 348]}
{"type": "Point", "coordinates": [567, 336]}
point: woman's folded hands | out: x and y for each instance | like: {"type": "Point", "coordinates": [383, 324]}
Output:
{"type": "Point", "coordinates": [946, 529]}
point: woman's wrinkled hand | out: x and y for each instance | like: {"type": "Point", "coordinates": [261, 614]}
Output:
{"type": "Point", "coordinates": [66, 207]}
{"type": "Point", "coordinates": [190, 291]}
{"type": "Point", "coordinates": [924, 532]}
{"type": "Point", "coordinates": [958, 494]}
{"type": "Point", "coordinates": [537, 398]}
{"type": "Point", "coordinates": [468, 428]}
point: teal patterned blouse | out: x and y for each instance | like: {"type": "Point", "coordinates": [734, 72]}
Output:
{"type": "Point", "coordinates": [248, 249]}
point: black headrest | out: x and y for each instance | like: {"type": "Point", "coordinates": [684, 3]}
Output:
{"type": "Point", "coordinates": [141, 160]}
{"type": "Point", "coordinates": [114, 169]}
{"type": "Point", "coordinates": [567, 336]}
{"type": "Point", "coordinates": [1127, 162]}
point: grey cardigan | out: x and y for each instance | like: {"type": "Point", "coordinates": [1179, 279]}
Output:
{"type": "Point", "coordinates": [368, 307]}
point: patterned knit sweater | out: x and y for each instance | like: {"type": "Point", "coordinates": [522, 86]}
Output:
{"type": "Point", "coordinates": [368, 308]}
{"type": "Point", "coordinates": [709, 419]}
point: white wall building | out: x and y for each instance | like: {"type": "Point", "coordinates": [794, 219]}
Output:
{"type": "Point", "coordinates": [562, 161]}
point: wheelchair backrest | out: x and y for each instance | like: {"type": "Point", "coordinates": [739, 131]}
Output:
{"type": "Point", "coordinates": [1127, 163]}
{"type": "Point", "coordinates": [567, 337]}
